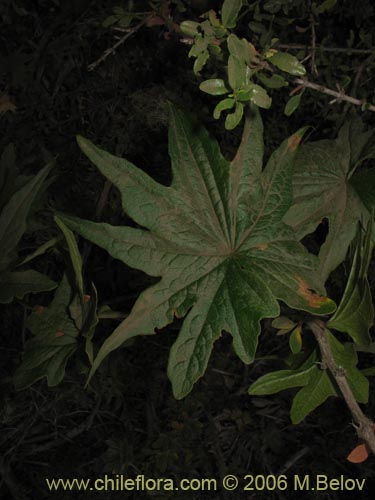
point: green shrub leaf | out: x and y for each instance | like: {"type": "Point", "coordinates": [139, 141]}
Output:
{"type": "Point", "coordinates": [229, 12]}
{"type": "Point", "coordinates": [14, 215]}
{"type": "Point", "coordinates": [223, 105]}
{"type": "Point", "coordinates": [233, 119]}
{"type": "Point", "coordinates": [215, 86]}
{"type": "Point", "coordinates": [292, 104]}
{"type": "Point", "coordinates": [288, 63]}
{"type": "Point", "coordinates": [318, 390]}
{"type": "Point", "coordinates": [19, 283]}
{"type": "Point", "coordinates": [281, 380]}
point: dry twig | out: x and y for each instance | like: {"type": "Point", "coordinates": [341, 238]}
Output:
{"type": "Point", "coordinates": [338, 96]}
{"type": "Point", "coordinates": [113, 49]}
{"type": "Point", "coordinates": [364, 426]}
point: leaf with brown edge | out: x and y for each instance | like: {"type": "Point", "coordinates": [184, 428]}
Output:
{"type": "Point", "coordinates": [315, 301]}
{"type": "Point", "coordinates": [326, 185]}
{"type": "Point", "coordinates": [216, 239]}
{"type": "Point", "coordinates": [359, 454]}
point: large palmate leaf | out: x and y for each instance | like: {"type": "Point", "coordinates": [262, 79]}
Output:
{"type": "Point", "coordinates": [216, 239]}
{"type": "Point", "coordinates": [326, 185]}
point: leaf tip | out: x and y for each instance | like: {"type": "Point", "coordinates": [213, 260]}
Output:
{"type": "Point", "coordinates": [295, 139]}
{"type": "Point", "coordinates": [314, 301]}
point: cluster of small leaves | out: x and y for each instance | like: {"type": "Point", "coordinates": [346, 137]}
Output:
{"type": "Point", "coordinates": [248, 72]}
{"type": "Point", "coordinates": [18, 195]}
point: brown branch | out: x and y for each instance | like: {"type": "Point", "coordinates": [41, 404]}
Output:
{"type": "Point", "coordinates": [338, 96]}
{"type": "Point", "coordinates": [364, 426]}
{"type": "Point", "coordinates": [346, 50]}
{"type": "Point", "coordinates": [112, 50]}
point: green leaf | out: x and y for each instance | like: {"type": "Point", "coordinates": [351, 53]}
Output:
{"type": "Point", "coordinates": [216, 238]}
{"type": "Point", "coordinates": [324, 187]}
{"type": "Point", "coordinates": [288, 63]}
{"type": "Point", "coordinates": [364, 182]}
{"type": "Point", "coordinates": [281, 380]}
{"type": "Point", "coordinates": [326, 5]}
{"type": "Point", "coordinates": [283, 323]}
{"type": "Point", "coordinates": [256, 94]}
{"type": "Point", "coordinates": [54, 341]}
{"type": "Point", "coordinates": [13, 217]}
{"type": "Point", "coordinates": [345, 356]}
{"type": "Point", "coordinates": [233, 119]}
{"type": "Point", "coordinates": [355, 313]}
{"type": "Point", "coordinates": [312, 395]}
{"type": "Point", "coordinates": [292, 104]}
{"type": "Point", "coordinates": [189, 28]}
{"type": "Point", "coordinates": [200, 61]}
{"type": "Point", "coordinates": [239, 48]}
{"type": "Point", "coordinates": [18, 284]}
{"type": "Point", "coordinates": [295, 340]}
{"type": "Point", "coordinates": [223, 105]}
{"type": "Point", "coordinates": [39, 251]}
{"type": "Point", "coordinates": [237, 73]}
{"type": "Point", "coordinates": [74, 253]}
{"type": "Point", "coordinates": [274, 82]}
{"type": "Point", "coordinates": [229, 12]}
{"type": "Point", "coordinates": [110, 20]}
{"type": "Point", "coordinates": [215, 86]}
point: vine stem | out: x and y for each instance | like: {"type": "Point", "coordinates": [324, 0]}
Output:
{"type": "Point", "coordinates": [339, 96]}
{"type": "Point", "coordinates": [363, 425]}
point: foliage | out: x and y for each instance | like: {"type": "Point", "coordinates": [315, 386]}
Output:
{"type": "Point", "coordinates": [56, 329]}
{"type": "Point", "coordinates": [354, 316]}
{"type": "Point", "coordinates": [17, 194]}
{"type": "Point", "coordinates": [51, 88]}
{"type": "Point", "coordinates": [242, 61]}
{"type": "Point", "coordinates": [327, 185]}
{"type": "Point", "coordinates": [216, 237]}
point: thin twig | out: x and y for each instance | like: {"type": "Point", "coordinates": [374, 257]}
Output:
{"type": "Point", "coordinates": [292, 460]}
{"type": "Point", "coordinates": [338, 96]}
{"type": "Point", "coordinates": [364, 426]}
{"type": "Point", "coordinates": [348, 50]}
{"type": "Point", "coordinates": [112, 50]}
{"type": "Point", "coordinates": [314, 68]}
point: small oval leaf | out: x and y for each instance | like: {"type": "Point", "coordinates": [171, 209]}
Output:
{"type": "Point", "coordinates": [274, 82]}
{"type": "Point", "coordinates": [229, 12]}
{"type": "Point", "coordinates": [292, 104]}
{"type": "Point", "coordinates": [222, 105]}
{"type": "Point", "coordinates": [189, 28]}
{"type": "Point", "coordinates": [236, 72]}
{"type": "Point", "coordinates": [234, 119]}
{"type": "Point", "coordinates": [288, 63]}
{"type": "Point", "coordinates": [283, 323]}
{"type": "Point", "coordinates": [215, 86]}
{"type": "Point", "coordinates": [295, 340]}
